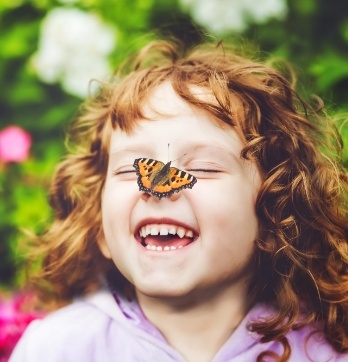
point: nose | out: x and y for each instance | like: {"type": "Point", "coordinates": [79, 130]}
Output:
{"type": "Point", "coordinates": [146, 196]}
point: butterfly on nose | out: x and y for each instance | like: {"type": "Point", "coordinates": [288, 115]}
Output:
{"type": "Point", "coordinates": [159, 179]}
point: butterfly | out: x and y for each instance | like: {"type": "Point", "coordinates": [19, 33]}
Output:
{"type": "Point", "coordinates": [159, 179]}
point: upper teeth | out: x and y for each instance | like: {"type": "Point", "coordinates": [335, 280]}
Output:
{"type": "Point", "coordinates": [165, 230]}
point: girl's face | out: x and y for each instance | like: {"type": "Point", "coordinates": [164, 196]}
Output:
{"type": "Point", "coordinates": [216, 216]}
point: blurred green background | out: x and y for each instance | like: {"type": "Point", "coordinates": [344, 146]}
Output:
{"type": "Point", "coordinates": [49, 50]}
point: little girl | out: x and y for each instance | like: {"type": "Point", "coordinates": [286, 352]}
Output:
{"type": "Point", "coordinates": [236, 250]}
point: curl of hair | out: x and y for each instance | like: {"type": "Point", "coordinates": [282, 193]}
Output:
{"type": "Point", "coordinates": [302, 252]}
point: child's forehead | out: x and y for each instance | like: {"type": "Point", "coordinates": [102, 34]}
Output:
{"type": "Point", "coordinates": [164, 100]}
{"type": "Point", "coordinates": [166, 117]}
{"type": "Point", "coordinates": [174, 136]}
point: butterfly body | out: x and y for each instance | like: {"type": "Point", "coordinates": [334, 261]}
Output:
{"type": "Point", "coordinates": [159, 179]}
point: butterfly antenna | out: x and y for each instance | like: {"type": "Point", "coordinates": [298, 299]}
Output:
{"type": "Point", "coordinates": [178, 157]}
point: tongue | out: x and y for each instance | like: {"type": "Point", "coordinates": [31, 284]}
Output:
{"type": "Point", "coordinates": [167, 240]}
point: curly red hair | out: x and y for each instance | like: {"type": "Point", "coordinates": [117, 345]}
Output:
{"type": "Point", "coordinates": [302, 253]}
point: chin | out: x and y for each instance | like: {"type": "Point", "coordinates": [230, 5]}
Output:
{"type": "Point", "coordinates": [163, 292]}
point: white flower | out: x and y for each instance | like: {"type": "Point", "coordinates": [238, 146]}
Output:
{"type": "Point", "coordinates": [220, 16]}
{"type": "Point", "coordinates": [73, 49]}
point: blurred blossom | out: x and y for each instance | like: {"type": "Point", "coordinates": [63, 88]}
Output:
{"type": "Point", "coordinates": [14, 144]}
{"type": "Point", "coordinates": [73, 49]}
{"type": "Point", "coordinates": [221, 16]}
{"type": "Point", "coordinates": [15, 315]}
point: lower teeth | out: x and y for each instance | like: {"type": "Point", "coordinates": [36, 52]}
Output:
{"type": "Point", "coordinates": [160, 248]}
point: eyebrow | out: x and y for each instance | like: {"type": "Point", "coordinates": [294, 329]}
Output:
{"type": "Point", "coordinates": [143, 150]}
{"type": "Point", "coordinates": [217, 147]}
{"type": "Point", "coordinates": [198, 146]}
{"type": "Point", "coordinates": [136, 149]}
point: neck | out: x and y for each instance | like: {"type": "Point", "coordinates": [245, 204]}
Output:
{"type": "Point", "coordinates": [198, 327]}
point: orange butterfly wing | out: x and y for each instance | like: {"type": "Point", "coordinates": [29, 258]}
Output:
{"type": "Point", "coordinates": [160, 179]}
{"type": "Point", "coordinates": [146, 169]}
{"type": "Point", "coordinates": [180, 180]}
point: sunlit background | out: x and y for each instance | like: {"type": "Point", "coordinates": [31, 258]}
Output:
{"type": "Point", "coordinates": [50, 50]}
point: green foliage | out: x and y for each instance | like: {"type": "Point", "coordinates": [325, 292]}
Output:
{"type": "Point", "coordinates": [313, 37]}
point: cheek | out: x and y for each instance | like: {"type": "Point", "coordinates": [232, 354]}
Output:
{"type": "Point", "coordinates": [227, 211]}
{"type": "Point", "coordinates": [117, 199]}
{"type": "Point", "coordinates": [103, 247]}
{"type": "Point", "coordinates": [114, 210]}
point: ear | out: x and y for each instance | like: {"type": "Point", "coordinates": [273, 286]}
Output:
{"type": "Point", "coordinates": [103, 247]}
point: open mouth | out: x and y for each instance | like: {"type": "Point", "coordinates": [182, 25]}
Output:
{"type": "Point", "coordinates": [163, 237]}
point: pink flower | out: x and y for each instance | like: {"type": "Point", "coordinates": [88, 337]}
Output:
{"type": "Point", "coordinates": [14, 318]}
{"type": "Point", "coordinates": [14, 144]}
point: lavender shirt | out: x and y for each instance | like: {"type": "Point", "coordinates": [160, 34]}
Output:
{"type": "Point", "coordinates": [99, 329]}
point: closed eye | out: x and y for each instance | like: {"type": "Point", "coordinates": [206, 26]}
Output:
{"type": "Point", "coordinates": [207, 170]}
{"type": "Point", "coordinates": [125, 174]}
{"type": "Point", "coordinates": [122, 172]}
